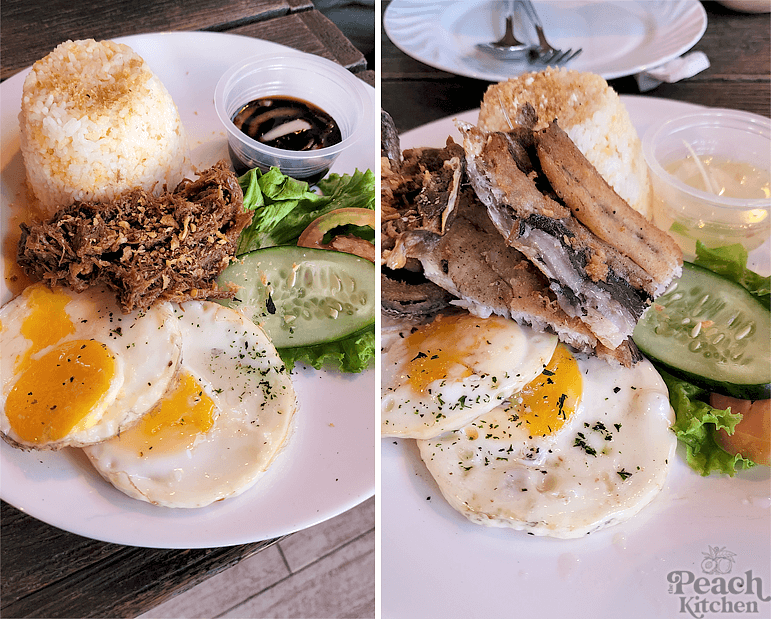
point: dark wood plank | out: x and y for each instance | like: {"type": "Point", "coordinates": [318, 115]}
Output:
{"type": "Point", "coordinates": [59, 20]}
{"type": "Point", "coordinates": [417, 102]}
{"type": "Point", "coordinates": [21, 542]}
{"type": "Point", "coordinates": [59, 574]}
{"type": "Point", "coordinates": [369, 76]}
{"type": "Point", "coordinates": [309, 32]}
{"type": "Point", "coordinates": [737, 45]}
{"type": "Point", "coordinates": [734, 95]}
{"type": "Point", "coordinates": [344, 51]}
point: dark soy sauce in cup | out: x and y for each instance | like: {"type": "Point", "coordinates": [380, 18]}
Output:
{"type": "Point", "coordinates": [286, 123]}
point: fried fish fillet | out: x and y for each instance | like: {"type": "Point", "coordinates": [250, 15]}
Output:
{"type": "Point", "coordinates": [474, 263]}
{"type": "Point", "coordinates": [596, 205]}
{"type": "Point", "coordinates": [591, 113]}
{"type": "Point", "coordinates": [593, 280]}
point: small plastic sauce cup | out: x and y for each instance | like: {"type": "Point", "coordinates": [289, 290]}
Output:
{"type": "Point", "coordinates": [690, 214]}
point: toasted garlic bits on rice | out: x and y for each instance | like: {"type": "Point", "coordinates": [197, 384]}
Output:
{"type": "Point", "coordinates": [96, 121]}
{"type": "Point", "coordinates": [590, 112]}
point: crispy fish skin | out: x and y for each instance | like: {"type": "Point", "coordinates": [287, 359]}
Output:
{"type": "Point", "coordinates": [510, 179]}
{"type": "Point", "coordinates": [518, 143]}
{"type": "Point", "coordinates": [436, 201]}
{"type": "Point", "coordinates": [473, 262]}
{"type": "Point", "coordinates": [595, 204]}
{"type": "Point", "coordinates": [590, 111]}
{"type": "Point", "coordinates": [592, 280]}
{"type": "Point", "coordinates": [609, 307]}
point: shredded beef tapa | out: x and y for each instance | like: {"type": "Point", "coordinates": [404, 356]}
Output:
{"type": "Point", "coordinates": [145, 248]}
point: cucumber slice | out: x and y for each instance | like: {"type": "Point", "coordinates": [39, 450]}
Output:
{"type": "Point", "coordinates": [711, 332]}
{"type": "Point", "coordinates": [301, 296]}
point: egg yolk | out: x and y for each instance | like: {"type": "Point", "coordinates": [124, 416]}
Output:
{"type": "Point", "coordinates": [46, 322]}
{"type": "Point", "coordinates": [546, 403]}
{"type": "Point", "coordinates": [440, 349]}
{"type": "Point", "coordinates": [56, 392]}
{"type": "Point", "coordinates": [175, 422]}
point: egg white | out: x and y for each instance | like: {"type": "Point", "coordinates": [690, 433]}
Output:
{"type": "Point", "coordinates": [238, 367]}
{"type": "Point", "coordinates": [146, 347]}
{"type": "Point", "coordinates": [501, 362]}
{"type": "Point", "coordinates": [601, 468]}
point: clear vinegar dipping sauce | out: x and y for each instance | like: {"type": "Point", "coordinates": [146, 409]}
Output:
{"type": "Point", "coordinates": [689, 218]}
{"type": "Point", "coordinates": [723, 177]}
{"type": "Point", "coordinates": [710, 172]}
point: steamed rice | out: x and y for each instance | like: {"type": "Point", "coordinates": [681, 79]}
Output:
{"type": "Point", "coordinates": [590, 112]}
{"type": "Point", "coordinates": [96, 121]}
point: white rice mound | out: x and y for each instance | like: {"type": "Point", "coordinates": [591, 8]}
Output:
{"type": "Point", "coordinates": [96, 121]}
{"type": "Point", "coordinates": [590, 112]}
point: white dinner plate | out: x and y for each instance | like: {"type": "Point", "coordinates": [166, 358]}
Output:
{"type": "Point", "coordinates": [437, 564]}
{"type": "Point", "coordinates": [329, 464]}
{"type": "Point", "coordinates": [618, 38]}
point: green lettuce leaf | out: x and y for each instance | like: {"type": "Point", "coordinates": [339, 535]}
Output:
{"type": "Point", "coordinates": [730, 262]}
{"type": "Point", "coordinates": [352, 354]}
{"type": "Point", "coordinates": [283, 207]}
{"type": "Point", "coordinates": [277, 202]}
{"type": "Point", "coordinates": [346, 191]}
{"type": "Point", "coordinates": [696, 424]}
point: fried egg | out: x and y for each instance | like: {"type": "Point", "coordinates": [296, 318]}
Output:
{"type": "Point", "coordinates": [438, 376]}
{"type": "Point", "coordinates": [76, 370]}
{"type": "Point", "coordinates": [584, 446]}
{"type": "Point", "coordinates": [220, 427]}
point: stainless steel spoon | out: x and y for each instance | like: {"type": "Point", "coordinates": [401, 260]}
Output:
{"type": "Point", "coordinates": [507, 46]}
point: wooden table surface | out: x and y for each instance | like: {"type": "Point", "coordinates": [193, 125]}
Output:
{"type": "Point", "coordinates": [737, 45]}
{"type": "Point", "coordinates": [47, 572]}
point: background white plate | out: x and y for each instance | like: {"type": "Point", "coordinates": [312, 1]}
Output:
{"type": "Point", "coordinates": [618, 38]}
{"type": "Point", "coordinates": [437, 564]}
{"type": "Point", "coordinates": [329, 464]}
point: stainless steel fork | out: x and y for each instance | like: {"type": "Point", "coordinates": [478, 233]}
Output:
{"type": "Point", "coordinates": [544, 53]}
